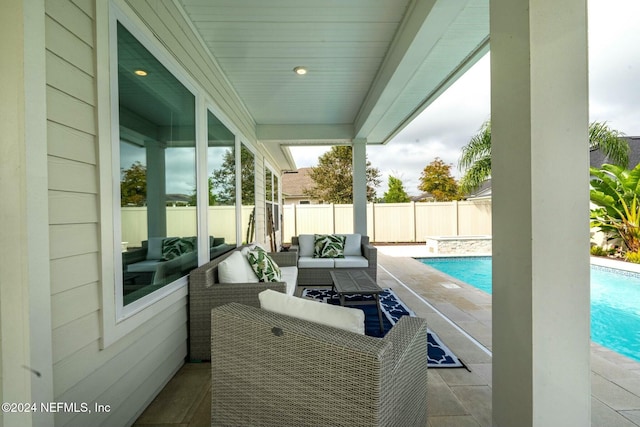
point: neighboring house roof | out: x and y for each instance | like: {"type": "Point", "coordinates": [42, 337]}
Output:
{"type": "Point", "coordinates": [484, 191]}
{"type": "Point", "coordinates": [178, 198]}
{"type": "Point", "coordinates": [294, 183]}
{"type": "Point", "coordinates": [422, 197]}
{"type": "Point", "coordinates": [597, 157]}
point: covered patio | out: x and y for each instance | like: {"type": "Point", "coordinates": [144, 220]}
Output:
{"type": "Point", "coordinates": [371, 67]}
{"type": "Point", "coordinates": [457, 397]}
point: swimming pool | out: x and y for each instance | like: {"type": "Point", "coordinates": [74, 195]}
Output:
{"type": "Point", "coordinates": [615, 299]}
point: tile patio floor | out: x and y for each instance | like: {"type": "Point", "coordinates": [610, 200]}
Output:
{"type": "Point", "coordinates": [461, 316]}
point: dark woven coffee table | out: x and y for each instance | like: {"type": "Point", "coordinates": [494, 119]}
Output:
{"type": "Point", "coordinates": [353, 283]}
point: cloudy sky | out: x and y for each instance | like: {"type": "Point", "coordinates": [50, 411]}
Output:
{"type": "Point", "coordinates": [448, 124]}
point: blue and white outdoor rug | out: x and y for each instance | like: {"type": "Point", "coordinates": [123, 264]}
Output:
{"type": "Point", "coordinates": [438, 354]}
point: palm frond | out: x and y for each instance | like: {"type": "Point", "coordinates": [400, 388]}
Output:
{"type": "Point", "coordinates": [478, 173]}
{"type": "Point", "coordinates": [478, 147]}
{"type": "Point", "coordinates": [610, 142]}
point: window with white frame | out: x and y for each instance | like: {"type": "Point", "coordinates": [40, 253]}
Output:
{"type": "Point", "coordinates": [248, 193]}
{"type": "Point", "coordinates": [272, 205]}
{"type": "Point", "coordinates": [221, 170]}
{"type": "Point", "coordinates": [157, 164]}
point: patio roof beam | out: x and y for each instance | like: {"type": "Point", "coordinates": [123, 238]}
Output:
{"type": "Point", "coordinates": [306, 134]}
{"type": "Point", "coordinates": [415, 68]}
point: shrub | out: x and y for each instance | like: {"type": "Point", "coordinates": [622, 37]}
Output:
{"type": "Point", "coordinates": [598, 251]}
{"type": "Point", "coordinates": [633, 257]}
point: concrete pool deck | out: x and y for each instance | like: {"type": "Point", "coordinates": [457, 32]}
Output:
{"type": "Point", "coordinates": [615, 379]}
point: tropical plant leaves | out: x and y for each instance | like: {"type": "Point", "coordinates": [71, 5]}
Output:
{"type": "Point", "coordinates": [616, 191]}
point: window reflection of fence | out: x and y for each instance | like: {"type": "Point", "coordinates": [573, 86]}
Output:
{"type": "Point", "coordinates": [181, 222]}
{"type": "Point", "coordinates": [386, 222]}
{"type": "Point", "coordinates": [392, 222]}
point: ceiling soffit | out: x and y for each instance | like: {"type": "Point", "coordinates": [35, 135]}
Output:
{"type": "Point", "coordinates": [373, 64]}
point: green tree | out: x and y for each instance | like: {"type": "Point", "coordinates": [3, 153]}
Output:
{"type": "Point", "coordinates": [213, 199]}
{"type": "Point", "coordinates": [475, 159]}
{"type": "Point", "coordinates": [616, 190]}
{"type": "Point", "coordinates": [396, 192]}
{"type": "Point", "coordinates": [333, 177]}
{"type": "Point", "coordinates": [436, 179]}
{"type": "Point", "coordinates": [222, 182]}
{"type": "Point", "coordinates": [133, 185]}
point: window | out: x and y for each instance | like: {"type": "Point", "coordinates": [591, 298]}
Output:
{"type": "Point", "coordinates": [272, 207]}
{"type": "Point", "coordinates": [157, 155]}
{"type": "Point", "coordinates": [221, 169]}
{"type": "Point", "coordinates": [248, 193]}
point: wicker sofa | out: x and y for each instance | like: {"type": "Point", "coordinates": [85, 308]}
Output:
{"type": "Point", "coordinates": [359, 255]}
{"type": "Point", "coordinates": [149, 259]}
{"type": "Point", "coordinates": [206, 292]}
{"type": "Point", "coordinates": [275, 370]}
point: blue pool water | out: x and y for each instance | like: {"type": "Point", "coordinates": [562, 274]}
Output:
{"type": "Point", "coordinates": [615, 299]}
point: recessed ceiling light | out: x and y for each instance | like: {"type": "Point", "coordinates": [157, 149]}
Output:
{"type": "Point", "coordinates": [140, 73]}
{"type": "Point", "coordinates": [300, 71]}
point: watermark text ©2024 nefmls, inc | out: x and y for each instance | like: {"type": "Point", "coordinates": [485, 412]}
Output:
{"type": "Point", "coordinates": [55, 407]}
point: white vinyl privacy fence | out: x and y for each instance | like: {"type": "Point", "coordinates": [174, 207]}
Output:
{"type": "Point", "coordinates": [392, 222]}
{"type": "Point", "coordinates": [386, 222]}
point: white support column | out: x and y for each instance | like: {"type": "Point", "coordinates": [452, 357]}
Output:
{"type": "Point", "coordinates": [360, 186]}
{"type": "Point", "coordinates": [202, 179]}
{"type": "Point", "coordinates": [26, 361]}
{"type": "Point", "coordinates": [156, 189]}
{"type": "Point", "coordinates": [539, 103]}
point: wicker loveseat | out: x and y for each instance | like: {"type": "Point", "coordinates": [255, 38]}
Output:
{"type": "Point", "coordinates": [271, 369]}
{"type": "Point", "coordinates": [359, 255]}
{"type": "Point", "coordinates": [206, 292]}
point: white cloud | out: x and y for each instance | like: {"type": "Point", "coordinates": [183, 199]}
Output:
{"type": "Point", "coordinates": [307, 156]}
{"type": "Point", "coordinates": [614, 63]}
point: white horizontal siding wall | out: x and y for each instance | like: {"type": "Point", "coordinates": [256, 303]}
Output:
{"type": "Point", "coordinates": [127, 374]}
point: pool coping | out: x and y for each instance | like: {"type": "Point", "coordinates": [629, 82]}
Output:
{"type": "Point", "coordinates": [615, 264]}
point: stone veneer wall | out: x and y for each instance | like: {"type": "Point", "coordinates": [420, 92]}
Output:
{"type": "Point", "coordinates": [459, 246]}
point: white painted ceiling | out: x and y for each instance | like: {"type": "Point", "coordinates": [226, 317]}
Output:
{"type": "Point", "coordinates": [373, 64]}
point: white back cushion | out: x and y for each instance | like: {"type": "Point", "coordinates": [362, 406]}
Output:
{"type": "Point", "coordinates": [306, 243]}
{"type": "Point", "coordinates": [349, 319]}
{"type": "Point", "coordinates": [352, 244]}
{"type": "Point", "coordinates": [236, 269]}
{"type": "Point", "coordinates": [154, 247]}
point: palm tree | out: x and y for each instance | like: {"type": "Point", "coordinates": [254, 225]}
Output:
{"type": "Point", "coordinates": [475, 159]}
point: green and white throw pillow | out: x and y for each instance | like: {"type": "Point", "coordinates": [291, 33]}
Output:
{"type": "Point", "coordinates": [328, 246]}
{"type": "Point", "coordinates": [264, 266]}
{"type": "Point", "coordinates": [173, 247]}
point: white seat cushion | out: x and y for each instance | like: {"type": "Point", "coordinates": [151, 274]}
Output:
{"type": "Point", "coordinates": [236, 269]}
{"type": "Point", "coordinates": [310, 262]}
{"type": "Point", "coordinates": [352, 262]}
{"type": "Point", "coordinates": [290, 277]}
{"type": "Point", "coordinates": [349, 319]}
